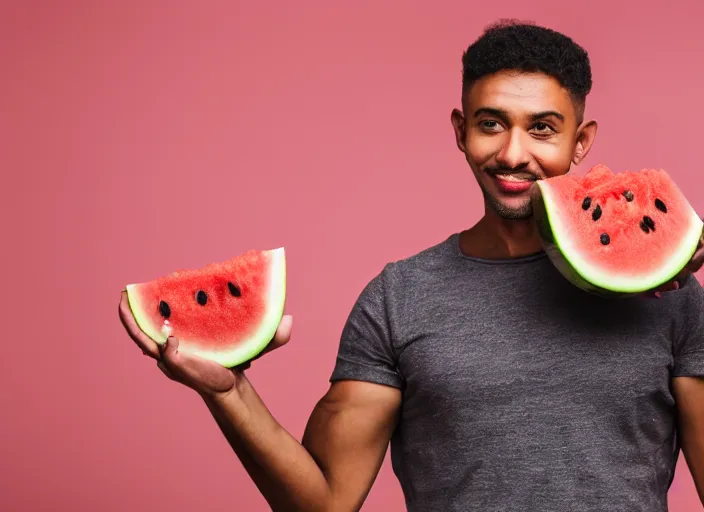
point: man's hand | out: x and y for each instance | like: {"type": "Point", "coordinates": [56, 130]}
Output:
{"type": "Point", "coordinates": [344, 443]}
{"type": "Point", "coordinates": [206, 377]}
{"type": "Point", "coordinates": [694, 265]}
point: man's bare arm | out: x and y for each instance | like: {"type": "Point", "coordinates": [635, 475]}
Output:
{"type": "Point", "coordinates": [348, 434]}
{"type": "Point", "coordinates": [689, 395]}
{"type": "Point", "coordinates": [343, 447]}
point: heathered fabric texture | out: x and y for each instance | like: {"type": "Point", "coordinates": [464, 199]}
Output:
{"type": "Point", "coordinates": [521, 392]}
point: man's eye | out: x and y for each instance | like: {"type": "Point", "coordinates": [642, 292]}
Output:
{"type": "Point", "coordinates": [490, 125]}
{"type": "Point", "coordinates": [542, 127]}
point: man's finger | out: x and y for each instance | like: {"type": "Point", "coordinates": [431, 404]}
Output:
{"type": "Point", "coordinates": [697, 261]}
{"type": "Point", "coordinates": [244, 366]}
{"type": "Point", "coordinates": [195, 372]}
{"type": "Point", "coordinates": [283, 332]}
{"type": "Point", "coordinates": [281, 336]}
{"type": "Point", "coordinates": [148, 346]}
{"type": "Point", "coordinates": [169, 351]}
{"type": "Point", "coordinates": [669, 287]}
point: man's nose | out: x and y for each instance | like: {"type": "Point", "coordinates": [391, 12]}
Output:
{"type": "Point", "coordinates": [513, 154]}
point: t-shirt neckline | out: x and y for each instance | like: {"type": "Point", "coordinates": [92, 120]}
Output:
{"type": "Point", "coordinates": [454, 243]}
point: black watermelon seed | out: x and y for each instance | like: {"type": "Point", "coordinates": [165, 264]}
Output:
{"type": "Point", "coordinates": [586, 203]}
{"type": "Point", "coordinates": [164, 309]}
{"type": "Point", "coordinates": [660, 206]}
{"type": "Point", "coordinates": [596, 213]}
{"type": "Point", "coordinates": [628, 195]}
{"type": "Point", "coordinates": [649, 222]}
{"type": "Point", "coordinates": [202, 297]}
{"type": "Point", "coordinates": [644, 226]}
{"type": "Point", "coordinates": [234, 290]}
{"type": "Point", "coordinates": [605, 239]}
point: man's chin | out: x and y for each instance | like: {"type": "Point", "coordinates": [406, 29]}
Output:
{"type": "Point", "coordinates": [505, 210]}
{"type": "Point", "coordinates": [511, 207]}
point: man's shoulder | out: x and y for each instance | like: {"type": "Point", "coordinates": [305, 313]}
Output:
{"type": "Point", "coordinates": [687, 303]}
{"type": "Point", "coordinates": [430, 258]}
{"type": "Point", "coordinates": [398, 276]}
{"type": "Point", "coordinates": [690, 294]}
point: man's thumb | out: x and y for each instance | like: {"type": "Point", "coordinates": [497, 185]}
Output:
{"type": "Point", "coordinates": [169, 350]}
{"type": "Point", "coordinates": [283, 332]}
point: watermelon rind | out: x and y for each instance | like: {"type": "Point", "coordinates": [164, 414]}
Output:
{"type": "Point", "coordinates": [557, 237]}
{"type": "Point", "coordinates": [263, 332]}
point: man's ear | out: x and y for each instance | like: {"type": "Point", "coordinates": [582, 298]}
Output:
{"type": "Point", "coordinates": [586, 133]}
{"type": "Point", "coordinates": [460, 126]}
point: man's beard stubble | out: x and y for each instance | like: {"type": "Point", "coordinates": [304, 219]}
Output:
{"type": "Point", "coordinates": [520, 213]}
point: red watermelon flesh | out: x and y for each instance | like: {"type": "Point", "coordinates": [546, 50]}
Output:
{"type": "Point", "coordinates": [226, 312]}
{"type": "Point", "coordinates": [617, 233]}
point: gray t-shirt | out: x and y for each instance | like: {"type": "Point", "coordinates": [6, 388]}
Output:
{"type": "Point", "coordinates": [521, 392]}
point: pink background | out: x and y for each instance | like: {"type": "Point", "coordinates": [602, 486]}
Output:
{"type": "Point", "coordinates": [139, 137]}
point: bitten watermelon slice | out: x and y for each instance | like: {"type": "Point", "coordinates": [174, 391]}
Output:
{"type": "Point", "coordinates": [226, 312]}
{"type": "Point", "coordinates": [616, 234]}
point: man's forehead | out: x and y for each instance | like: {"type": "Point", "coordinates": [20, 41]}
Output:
{"type": "Point", "coordinates": [519, 94]}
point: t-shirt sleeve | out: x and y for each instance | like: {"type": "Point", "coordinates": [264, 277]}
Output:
{"type": "Point", "coordinates": [689, 345]}
{"type": "Point", "coordinates": [366, 345]}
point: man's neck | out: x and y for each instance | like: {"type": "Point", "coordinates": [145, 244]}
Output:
{"type": "Point", "coordinates": [496, 238]}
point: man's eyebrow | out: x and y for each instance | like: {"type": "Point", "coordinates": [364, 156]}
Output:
{"type": "Point", "coordinates": [497, 112]}
{"type": "Point", "coordinates": [502, 114]}
{"type": "Point", "coordinates": [547, 113]}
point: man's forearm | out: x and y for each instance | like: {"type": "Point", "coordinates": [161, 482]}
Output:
{"type": "Point", "coordinates": [694, 456]}
{"type": "Point", "coordinates": [689, 395]}
{"type": "Point", "coordinates": [283, 470]}
{"type": "Point", "coordinates": [695, 462]}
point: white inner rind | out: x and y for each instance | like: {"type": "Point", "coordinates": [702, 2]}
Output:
{"type": "Point", "coordinates": [623, 282]}
{"type": "Point", "coordinates": [274, 298]}
{"type": "Point", "coordinates": [141, 317]}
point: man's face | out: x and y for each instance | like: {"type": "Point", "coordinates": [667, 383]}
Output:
{"type": "Point", "coordinates": [518, 128]}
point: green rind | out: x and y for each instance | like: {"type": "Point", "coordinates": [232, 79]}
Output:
{"type": "Point", "coordinates": [588, 277]}
{"type": "Point", "coordinates": [244, 352]}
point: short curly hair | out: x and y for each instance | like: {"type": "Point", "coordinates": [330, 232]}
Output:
{"type": "Point", "coordinates": [524, 46]}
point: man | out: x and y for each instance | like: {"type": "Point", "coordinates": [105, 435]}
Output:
{"type": "Point", "coordinates": [499, 385]}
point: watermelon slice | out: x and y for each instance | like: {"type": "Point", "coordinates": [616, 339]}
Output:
{"type": "Point", "coordinates": [226, 312]}
{"type": "Point", "coordinates": [616, 234]}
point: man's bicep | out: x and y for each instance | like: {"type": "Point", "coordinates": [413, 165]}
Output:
{"type": "Point", "coordinates": [689, 395]}
{"type": "Point", "coordinates": [348, 434]}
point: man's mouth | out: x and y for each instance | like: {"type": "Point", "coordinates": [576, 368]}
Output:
{"type": "Point", "coordinates": [515, 176]}
{"type": "Point", "coordinates": [513, 182]}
